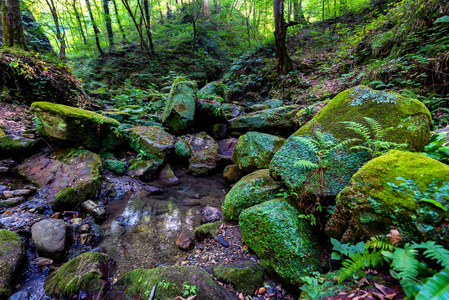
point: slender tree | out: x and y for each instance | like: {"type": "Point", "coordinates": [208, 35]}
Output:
{"type": "Point", "coordinates": [108, 21]}
{"type": "Point", "coordinates": [60, 37]}
{"type": "Point", "coordinates": [12, 25]}
{"type": "Point", "coordinates": [118, 21]}
{"type": "Point", "coordinates": [280, 33]}
{"type": "Point", "coordinates": [94, 25]}
{"type": "Point", "coordinates": [78, 19]}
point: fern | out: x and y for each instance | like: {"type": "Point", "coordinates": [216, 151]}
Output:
{"type": "Point", "coordinates": [311, 144]}
{"type": "Point", "coordinates": [436, 287]}
{"type": "Point", "coordinates": [380, 243]}
{"type": "Point", "coordinates": [359, 261]}
{"type": "Point", "coordinates": [306, 164]}
{"type": "Point", "coordinates": [435, 251]}
{"type": "Point", "coordinates": [405, 263]}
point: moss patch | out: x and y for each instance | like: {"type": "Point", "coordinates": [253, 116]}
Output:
{"type": "Point", "coordinates": [152, 141]}
{"type": "Point", "coordinates": [207, 230]}
{"type": "Point", "coordinates": [116, 166]}
{"type": "Point", "coordinates": [284, 242]}
{"type": "Point", "coordinates": [252, 189]}
{"type": "Point", "coordinates": [245, 276]}
{"type": "Point", "coordinates": [11, 255]}
{"type": "Point", "coordinates": [368, 206]}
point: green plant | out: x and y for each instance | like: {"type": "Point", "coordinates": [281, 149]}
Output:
{"type": "Point", "coordinates": [436, 148]}
{"type": "Point", "coordinates": [164, 284]}
{"type": "Point", "coordinates": [189, 290]}
{"type": "Point", "coordinates": [374, 145]}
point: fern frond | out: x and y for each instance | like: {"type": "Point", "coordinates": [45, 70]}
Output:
{"type": "Point", "coordinates": [358, 147]}
{"type": "Point", "coordinates": [380, 243]}
{"type": "Point", "coordinates": [359, 261]}
{"type": "Point", "coordinates": [359, 129]}
{"type": "Point", "coordinates": [306, 164]}
{"type": "Point", "coordinates": [436, 287]}
{"type": "Point", "coordinates": [376, 127]}
{"type": "Point", "coordinates": [405, 263]}
{"type": "Point", "coordinates": [347, 142]}
{"type": "Point", "coordinates": [435, 251]}
{"type": "Point", "coordinates": [310, 143]}
{"type": "Point", "coordinates": [389, 145]}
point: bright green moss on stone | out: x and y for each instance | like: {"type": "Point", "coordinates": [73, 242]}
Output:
{"type": "Point", "coordinates": [71, 124]}
{"type": "Point", "coordinates": [170, 281]}
{"type": "Point", "coordinates": [252, 189]}
{"type": "Point", "coordinates": [283, 242]}
{"type": "Point", "coordinates": [180, 107]}
{"type": "Point", "coordinates": [409, 119]}
{"type": "Point", "coordinates": [116, 166]}
{"type": "Point", "coordinates": [255, 150]}
{"type": "Point", "coordinates": [152, 141]}
{"type": "Point", "coordinates": [12, 146]}
{"type": "Point", "coordinates": [244, 276]}
{"type": "Point", "coordinates": [368, 206]}
{"type": "Point", "coordinates": [11, 255]}
{"type": "Point", "coordinates": [183, 149]}
{"type": "Point", "coordinates": [207, 230]}
{"type": "Point", "coordinates": [79, 274]}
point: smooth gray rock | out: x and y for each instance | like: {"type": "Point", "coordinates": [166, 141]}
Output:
{"type": "Point", "coordinates": [49, 237]}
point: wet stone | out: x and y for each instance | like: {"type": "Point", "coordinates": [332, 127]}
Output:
{"type": "Point", "coordinates": [184, 242]}
{"type": "Point", "coordinates": [211, 214]}
{"type": "Point", "coordinates": [222, 241]}
{"type": "Point", "coordinates": [93, 208]}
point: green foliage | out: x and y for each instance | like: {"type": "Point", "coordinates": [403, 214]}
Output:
{"type": "Point", "coordinates": [189, 290]}
{"type": "Point", "coordinates": [437, 149]}
{"type": "Point", "coordinates": [373, 144]}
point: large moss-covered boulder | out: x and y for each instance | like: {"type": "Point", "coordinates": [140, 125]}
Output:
{"type": "Point", "coordinates": [11, 256]}
{"type": "Point", "coordinates": [83, 273]}
{"type": "Point", "coordinates": [66, 178]}
{"type": "Point", "coordinates": [245, 276]}
{"type": "Point", "coordinates": [408, 119]}
{"type": "Point", "coordinates": [213, 88]}
{"type": "Point", "coordinates": [209, 111]}
{"type": "Point", "coordinates": [255, 150]}
{"type": "Point", "coordinates": [170, 282]}
{"type": "Point", "coordinates": [283, 242]}
{"type": "Point", "coordinates": [180, 107]}
{"type": "Point", "coordinates": [252, 189]}
{"type": "Point", "coordinates": [396, 189]}
{"type": "Point", "coordinates": [275, 120]}
{"type": "Point", "coordinates": [203, 149]}
{"type": "Point", "coordinates": [74, 126]}
{"type": "Point", "coordinates": [152, 141]}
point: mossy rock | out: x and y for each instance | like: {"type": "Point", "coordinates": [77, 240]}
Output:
{"type": "Point", "coordinates": [145, 169]}
{"type": "Point", "coordinates": [66, 178]}
{"type": "Point", "coordinates": [244, 276]}
{"type": "Point", "coordinates": [275, 120]}
{"type": "Point", "coordinates": [204, 152]}
{"type": "Point", "coordinates": [2, 134]}
{"type": "Point", "coordinates": [252, 189]}
{"type": "Point", "coordinates": [207, 230]}
{"type": "Point", "coordinates": [340, 165]}
{"type": "Point", "coordinates": [12, 254]}
{"type": "Point", "coordinates": [255, 150]}
{"type": "Point", "coordinates": [116, 166]}
{"type": "Point", "coordinates": [232, 173]}
{"type": "Point", "coordinates": [16, 147]}
{"type": "Point", "coordinates": [213, 88]}
{"type": "Point", "coordinates": [71, 125]}
{"type": "Point", "coordinates": [183, 149]}
{"type": "Point", "coordinates": [408, 118]}
{"type": "Point", "coordinates": [82, 273]}
{"type": "Point", "coordinates": [369, 206]}
{"type": "Point", "coordinates": [306, 114]}
{"type": "Point", "coordinates": [152, 141]}
{"type": "Point", "coordinates": [209, 112]}
{"type": "Point", "coordinates": [116, 115]}
{"type": "Point", "coordinates": [283, 242]}
{"type": "Point", "coordinates": [180, 107]}
{"type": "Point", "coordinates": [170, 282]}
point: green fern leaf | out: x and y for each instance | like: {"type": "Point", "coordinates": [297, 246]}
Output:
{"type": "Point", "coordinates": [306, 164]}
{"type": "Point", "coordinates": [435, 251]}
{"type": "Point", "coordinates": [405, 262]}
{"type": "Point", "coordinates": [380, 243]}
{"type": "Point", "coordinates": [376, 127]}
{"type": "Point", "coordinates": [436, 287]}
{"type": "Point", "coordinates": [310, 143]}
{"type": "Point", "coordinates": [362, 148]}
{"type": "Point", "coordinates": [359, 261]}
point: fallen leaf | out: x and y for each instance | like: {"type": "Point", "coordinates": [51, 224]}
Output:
{"type": "Point", "coordinates": [380, 288]}
{"type": "Point", "coordinates": [390, 297]}
{"type": "Point", "coordinates": [378, 296]}
{"type": "Point", "coordinates": [394, 236]}
{"type": "Point", "coordinates": [362, 282]}
{"type": "Point", "coordinates": [261, 291]}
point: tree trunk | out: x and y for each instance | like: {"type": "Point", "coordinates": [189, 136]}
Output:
{"type": "Point", "coordinates": [148, 24]}
{"type": "Point", "coordinates": [118, 21]}
{"type": "Point", "coordinates": [298, 14]}
{"type": "Point", "coordinates": [1, 25]}
{"type": "Point", "coordinates": [59, 36]}
{"type": "Point", "coordinates": [280, 33]}
{"type": "Point", "coordinates": [12, 25]}
{"type": "Point", "coordinates": [94, 25]}
{"type": "Point", "coordinates": [108, 21]}
{"type": "Point", "coordinates": [78, 19]}
{"type": "Point", "coordinates": [139, 29]}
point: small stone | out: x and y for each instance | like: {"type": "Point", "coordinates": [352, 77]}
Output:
{"type": "Point", "coordinates": [184, 242]}
{"type": "Point", "coordinates": [85, 227]}
{"type": "Point", "coordinates": [16, 193]}
{"type": "Point", "coordinates": [28, 135]}
{"type": "Point", "coordinates": [4, 169]}
{"type": "Point", "coordinates": [222, 241]}
{"type": "Point", "coordinates": [90, 207]}
{"type": "Point", "coordinates": [49, 237]}
{"type": "Point", "coordinates": [85, 238]}
{"type": "Point", "coordinates": [211, 214]}
{"type": "Point", "coordinates": [41, 261]}
{"type": "Point", "coordinates": [76, 221]}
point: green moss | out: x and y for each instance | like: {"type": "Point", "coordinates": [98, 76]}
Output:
{"type": "Point", "coordinates": [69, 197]}
{"type": "Point", "coordinates": [152, 141]}
{"type": "Point", "coordinates": [284, 242]}
{"type": "Point", "coordinates": [2, 134]}
{"type": "Point", "coordinates": [180, 107]}
{"type": "Point", "coordinates": [116, 166]}
{"type": "Point", "coordinates": [183, 149]}
{"type": "Point", "coordinates": [252, 189]}
{"type": "Point", "coordinates": [16, 147]}
{"type": "Point", "coordinates": [255, 150]}
{"type": "Point", "coordinates": [11, 255]}
{"type": "Point", "coordinates": [368, 206]}
{"type": "Point", "coordinates": [79, 274]}
{"type": "Point", "coordinates": [207, 230]}
{"type": "Point", "coordinates": [170, 283]}
{"type": "Point", "coordinates": [327, 288]}
{"type": "Point", "coordinates": [245, 277]}
{"type": "Point", "coordinates": [9, 240]}
{"type": "Point", "coordinates": [409, 119]}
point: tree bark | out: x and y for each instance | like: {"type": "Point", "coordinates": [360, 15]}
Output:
{"type": "Point", "coordinates": [118, 21]}
{"type": "Point", "coordinates": [108, 21]}
{"type": "Point", "coordinates": [139, 29]}
{"type": "Point", "coordinates": [298, 14]}
{"type": "Point", "coordinates": [280, 33]}
{"type": "Point", "coordinates": [59, 36]}
{"type": "Point", "coordinates": [94, 25]}
{"type": "Point", "coordinates": [148, 24]}
{"type": "Point", "coordinates": [13, 35]}
{"type": "Point", "coordinates": [78, 19]}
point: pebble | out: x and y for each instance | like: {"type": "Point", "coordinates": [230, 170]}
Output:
{"type": "Point", "coordinates": [4, 169]}
{"type": "Point", "coordinates": [222, 241]}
